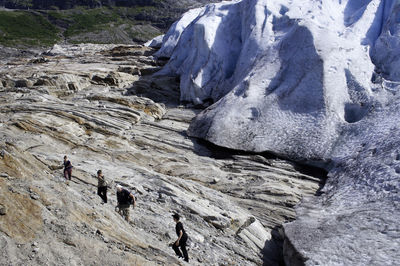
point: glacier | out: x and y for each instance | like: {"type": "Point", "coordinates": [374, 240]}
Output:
{"type": "Point", "coordinates": [314, 81]}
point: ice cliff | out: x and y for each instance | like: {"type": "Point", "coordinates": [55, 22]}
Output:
{"type": "Point", "coordinates": [308, 80]}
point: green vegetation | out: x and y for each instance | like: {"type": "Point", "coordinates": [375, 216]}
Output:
{"type": "Point", "coordinates": [23, 28]}
{"type": "Point", "coordinates": [82, 21]}
{"type": "Point", "coordinates": [99, 25]}
{"type": "Point", "coordinates": [90, 20]}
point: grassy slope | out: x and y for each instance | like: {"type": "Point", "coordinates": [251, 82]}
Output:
{"type": "Point", "coordinates": [106, 21]}
{"type": "Point", "coordinates": [24, 28]}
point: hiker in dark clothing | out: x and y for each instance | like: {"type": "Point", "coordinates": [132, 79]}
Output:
{"type": "Point", "coordinates": [67, 168]}
{"type": "Point", "coordinates": [182, 238]}
{"type": "Point", "coordinates": [125, 199]}
{"type": "Point", "coordinates": [101, 186]}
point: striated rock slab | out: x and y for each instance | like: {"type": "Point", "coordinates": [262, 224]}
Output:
{"type": "Point", "coordinates": [231, 203]}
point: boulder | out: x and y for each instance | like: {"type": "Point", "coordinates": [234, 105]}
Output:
{"type": "Point", "coordinates": [218, 222]}
{"type": "Point", "coordinates": [131, 50]}
{"type": "Point", "coordinates": [129, 69]}
{"type": "Point", "coordinates": [8, 83]}
{"type": "Point", "coordinates": [4, 175]}
{"type": "Point", "coordinates": [3, 210]}
{"type": "Point", "coordinates": [117, 79]}
{"type": "Point", "coordinates": [23, 83]}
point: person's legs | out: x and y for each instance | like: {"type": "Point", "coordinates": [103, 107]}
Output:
{"type": "Point", "coordinates": [125, 213]}
{"type": "Point", "coordinates": [182, 244]}
{"type": "Point", "coordinates": [102, 192]}
{"type": "Point", "coordinates": [177, 251]}
{"type": "Point", "coordinates": [105, 194]}
{"type": "Point", "coordinates": [118, 208]}
{"type": "Point", "coordinates": [66, 174]}
{"type": "Point", "coordinates": [69, 171]}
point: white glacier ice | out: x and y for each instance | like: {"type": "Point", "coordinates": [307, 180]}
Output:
{"type": "Point", "coordinates": [156, 42]}
{"type": "Point", "coordinates": [174, 33]}
{"type": "Point", "coordinates": [313, 81]}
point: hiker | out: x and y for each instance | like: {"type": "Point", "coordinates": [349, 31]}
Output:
{"type": "Point", "coordinates": [67, 168]}
{"type": "Point", "coordinates": [125, 199]}
{"type": "Point", "coordinates": [182, 238]}
{"type": "Point", "coordinates": [101, 186]}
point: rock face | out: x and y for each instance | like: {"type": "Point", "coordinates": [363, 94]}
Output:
{"type": "Point", "coordinates": [315, 82]}
{"type": "Point", "coordinates": [96, 104]}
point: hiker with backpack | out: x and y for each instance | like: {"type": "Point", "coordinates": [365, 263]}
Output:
{"type": "Point", "coordinates": [182, 239]}
{"type": "Point", "coordinates": [101, 186]}
{"type": "Point", "coordinates": [125, 200]}
{"type": "Point", "coordinates": [67, 168]}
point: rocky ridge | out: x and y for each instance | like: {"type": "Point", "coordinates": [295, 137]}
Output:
{"type": "Point", "coordinates": [57, 4]}
{"type": "Point", "coordinates": [100, 105]}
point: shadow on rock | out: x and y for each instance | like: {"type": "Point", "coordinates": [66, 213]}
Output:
{"type": "Point", "coordinates": [160, 89]}
{"type": "Point", "coordinates": [273, 248]}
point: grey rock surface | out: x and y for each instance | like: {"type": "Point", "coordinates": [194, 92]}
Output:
{"type": "Point", "coordinates": [133, 128]}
